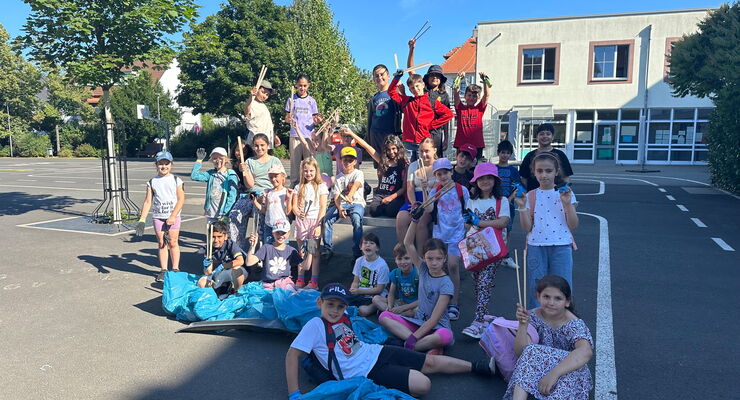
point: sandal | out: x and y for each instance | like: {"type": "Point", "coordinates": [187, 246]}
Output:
{"type": "Point", "coordinates": [453, 312]}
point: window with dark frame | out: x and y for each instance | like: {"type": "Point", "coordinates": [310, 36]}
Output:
{"type": "Point", "coordinates": [611, 61]}
{"type": "Point", "coordinates": [538, 64]}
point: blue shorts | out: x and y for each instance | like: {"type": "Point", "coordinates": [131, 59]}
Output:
{"type": "Point", "coordinates": [407, 205]}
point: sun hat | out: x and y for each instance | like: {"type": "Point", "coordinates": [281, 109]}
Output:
{"type": "Point", "coordinates": [435, 69]}
{"type": "Point", "coordinates": [484, 169]}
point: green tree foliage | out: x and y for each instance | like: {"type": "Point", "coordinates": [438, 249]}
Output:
{"type": "Point", "coordinates": [20, 83]}
{"type": "Point", "coordinates": [139, 89]}
{"type": "Point", "coordinates": [707, 64]}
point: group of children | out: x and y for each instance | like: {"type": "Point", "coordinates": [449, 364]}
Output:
{"type": "Point", "coordinates": [436, 205]}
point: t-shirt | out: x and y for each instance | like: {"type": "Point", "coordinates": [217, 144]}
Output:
{"type": "Point", "coordinates": [549, 224]}
{"type": "Point", "coordinates": [463, 178]}
{"type": "Point", "coordinates": [525, 172]}
{"type": "Point", "coordinates": [344, 181]}
{"type": "Point", "coordinates": [355, 358]}
{"type": "Point", "coordinates": [430, 288]}
{"type": "Point", "coordinates": [304, 108]}
{"type": "Point", "coordinates": [407, 286]}
{"type": "Point", "coordinates": [444, 98]}
{"type": "Point", "coordinates": [485, 209]}
{"type": "Point", "coordinates": [216, 193]}
{"type": "Point", "coordinates": [164, 195]}
{"type": "Point", "coordinates": [450, 226]}
{"type": "Point", "coordinates": [413, 175]}
{"type": "Point", "coordinates": [383, 113]}
{"type": "Point", "coordinates": [312, 209]}
{"type": "Point", "coordinates": [391, 180]}
{"type": "Point", "coordinates": [226, 253]}
{"type": "Point", "coordinates": [371, 273]}
{"type": "Point", "coordinates": [259, 172]}
{"type": "Point", "coordinates": [275, 206]}
{"type": "Point", "coordinates": [276, 263]}
{"type": "Point", "coordinates": [338, 156]}
{"type": "Point", "coordinates": [470, 124]}
{"type": "Point", "coordinates": [324, 160]}
{"type": "Point", "coordinates": [509, 178]}
{"type": "Point", "coordinates": [260, 122]}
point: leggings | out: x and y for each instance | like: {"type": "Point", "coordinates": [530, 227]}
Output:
{"type": "Point", "coordinates": [444, 334]}
{"type": "Point", "coordinates": [484, 281]}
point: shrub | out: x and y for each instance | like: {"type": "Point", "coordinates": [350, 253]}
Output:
{"type": "Point", "coordinates": [186, 143]}
{"type": "Point", "coordinates": [86, 150]}
{"type": "Point", "coordinates": [724, 144]}
{"type": "Point", "coordinates": [5, 151]}
{"type": "Point", "coordinates": [30, 144]}
{"type": "Point", "coordinates": [281, 152]}
{"type": "Point", "coordinates": [66, 153]}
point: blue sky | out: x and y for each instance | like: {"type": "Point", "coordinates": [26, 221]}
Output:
{"type": "Point", "coordinates": [377, 29]}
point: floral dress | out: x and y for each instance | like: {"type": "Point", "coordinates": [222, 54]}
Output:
{"type": "Point", "coordinates": [538, 359]}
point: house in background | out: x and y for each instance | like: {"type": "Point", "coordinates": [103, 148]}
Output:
{"type": "Point", "coordinates": [599, 79]}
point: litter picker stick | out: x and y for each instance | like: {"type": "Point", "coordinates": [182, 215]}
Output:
{"type": "Point", "coordinates": [525, 278]}
{"type": "Point", "coordinates": [423, 174]}
{"type": "Point", "coordinates": [395, 58]}
{"type": "Point", "coordinates": [422, 34]}
{"type": "Point", "coordinates": [415, 67]}
{"type": "Point", "coordinates": [209, 241]}
{"type": "Point", "coordinates": [518, 284]}
{"type": "Point", "coordinates": [446, 188]}
{"type": "Point", "coordinates": [422, 27]}
{"type": "Point", "coordinates": [241, 149]}
{"type": "Point", "coordinates": [263, 72]}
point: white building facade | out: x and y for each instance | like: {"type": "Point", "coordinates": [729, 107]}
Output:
{"type": "Point", "coordinates": [600, 80]}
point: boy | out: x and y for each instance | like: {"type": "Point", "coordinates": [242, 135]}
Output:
{"type": "Point", "coordinates": [403, 295]}
{"type": "Point", "coordinates": [278, 259]}
{"type": "Point", "coordinates": [418, 114]}
{"type": "Point", "coordinates": [337, 152]}
{"type": "Point", "coordinates": [464, 164]}
{"type": "Point", "coordinates": [389, 366]}
{"type": "Point", "coordinates": [349, 201]}
{"type": "Point", "coordinates": [383, 117]}
{"type": "Point", "coordinates": [226, 263]}
{"type": "Point", "coordinates": [370, 275]}
{"type": "Point", "coordinates": [258, 116]}
{"type": "Point", "coordinates": [470, 115]}
{"type": "Point", "coordinates": [545, 134]}
{"type": "Point", "coordinates": [509, 175]}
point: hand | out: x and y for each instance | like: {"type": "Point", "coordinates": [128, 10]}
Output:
{"type": "Point", "coordinates": [342, 213]}
{"type": "Point", "coordinates": [410, 342]}
{"type": "Point", "coordinates": [252, 238]}
{"type": "Point", "coordinates": [520, 190]}
{"type": "Point", "coordinates": [254, 92]}
{"type": "Point", "coordinates": [548, 382]}
{"type": "Point", "coordinates": [385, 200]}
{"type": "Point", "coordinates": [140, 228]}
{"type": "Point", "coordinates": [474, 219]}
{"type": "Point", "coordinates": [354, 290]}
{"type": "Point", "coordinates": [412, 44]}
{"type": "Point", "coordinates": [484, 78]}
{"type": "Point", "coordinates": [171, 220]}
{"type": "Point", "coordinates": [277, 141]}
{"type": "Point", "coordinates": [258, 193]}
{"type": "Point", "coordinates": [295, 395]}
{"type": "Point", "coordinates": [396, 310]}
{"type": "Point", "coordinates": [243, 166]}
{"type": "Point", "coordinates": [458, 79]}
{"type": "Point", "coordinates": [417, 213]}
{"type": "Point", "coordinates": [298, 211]}
{"type": "Point", "coordinates": [398, 74]}
{"type": "Point", "coordinates": [522, 315]}
{"type": "Point", "coordinates": [317, 232]}
{"type": "Point", "coordinates": [200, 154]}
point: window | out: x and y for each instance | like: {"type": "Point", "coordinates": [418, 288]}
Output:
{"type": "Point", "coordinates": [611, 62]}
{"type": "Point", "coordinates": [539, 64]}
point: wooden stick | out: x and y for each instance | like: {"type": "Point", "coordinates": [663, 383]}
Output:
{"type": "Point", "coordinates": [442, 191]}
{"type": "Point", "coordinates": [209, 241]}
{"type": "Point", "coordinates": [241, 149]}
{"type": "Point", "coordinates": [422, 27]}
{"type": "Point", "coordinates": [518, 284]}
{"type": "Point", "coordinates": [263, 72]}
{"type": "Point", "coordinates": [415, 67]}
{"type": "Point", "coordinates": [525, 278]}
{"type": "Point", "coordinates": [395, 58]}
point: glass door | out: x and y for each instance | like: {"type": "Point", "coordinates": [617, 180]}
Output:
{"type": "Point", "coordinates": [606, 135]}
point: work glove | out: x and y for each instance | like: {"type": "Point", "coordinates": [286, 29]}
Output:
{"type": "Point", "coordinates": [398, 74]}
{"type": "Point", "coordinates": [206, 263]}
{"type": "Point", "coordinates": [564, 188]}
{"type": "Point", "coordinates": [417, 213]}
{"type": "Point", "coordinates": [200, 154]}
{"type": "Point", "coordinates": [486, 80]}
{"type": "Point", "coordinates": [471, 218]}
{"type": "Point", "coordinates": [456, 83]}
{"type": "Point", "coordinates": [295, 395]}
{"type": "Point", "coordinates": [140, 228]}
{"type": "Point", "coordinates": [520, 190]}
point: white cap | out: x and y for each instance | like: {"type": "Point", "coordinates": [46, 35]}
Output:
{"type": "Point", "coordinates": [219, 150]}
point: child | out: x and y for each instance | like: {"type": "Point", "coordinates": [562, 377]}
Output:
{"type": "Point", "coordinates": [226, 263]}
{"type": "Point", "coordinates": [419, 116]}
{"type": "Point", "coordinates": [485, 199]}
{"type": "Point", "coordinates": [509, 175]}
{"type": "Point", "coordinates": [164, 191]}
{"type": "Point", "coordinates": [370, 275]}
{"type": "Point", "coordinates": [309, 206]}
{"type": "Point", "coordinates": [349, 201]}
{"type": "Point", "coordinates": [243, 206]}
{"type": "Point", "coordinates": [347, 141]}
{"type": "Point", "coordinates": [258, 116]}
{"type": "Point", "coordinates": [449, 225]}
{"type": "Point", "coordinates": [545, 135]}
{"type": "Point", "coordinates": [383, 114]}
{"type": "Point", "coordinates": [389, 366]}
{"type": "Point", "coordinates": [430, 327]}
{"type": "Point", "coordinates": [470, 115]}
{"type": "Point", "coordinates": [556, 368]}
{"type": "Point", "coordinates": [548, 216]}
{"type": "Point", "coordinates": [221, 190]}
{"type": "Point", "coordinates": [277, 258]}
{"type": "Point", "coordinates": [464, 164]}
{"type": "Point", "coordinates": [403, 295]}
{"type": "Point", "coordinates": [276, 204]}
{"type": "Point", "coordinates": [302, 113]}
{"type": "Point", "coordinates": [418, 182]}
{"type": "Point", "coordinates": [323, 154]}
{"type": "Point", "coordinates": [391, 164]}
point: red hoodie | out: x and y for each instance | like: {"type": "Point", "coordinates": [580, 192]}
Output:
{"type": "Point", "coordinates": [418, 115]}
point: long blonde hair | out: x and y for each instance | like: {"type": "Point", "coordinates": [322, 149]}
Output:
{"type": "Point", "coordinates": [315, 182]}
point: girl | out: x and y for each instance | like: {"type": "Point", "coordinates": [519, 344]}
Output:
{"type": "Point", "coordinates": [221, 190]}
{"type": "Point", "coordinates": [242, 209]}
{"type": "Point", "coordinates": [430, 328]}
{"type": "Point", "coordinates": [418, 183]}
{"type": "Point", "coordinates": [555, 368]}
{"type": "Point", "coordinates": [388, 197]}
{"type": "Point", "coordinates": [166, 192]}
{"type": "Point", "coordinates": [301, 112]}
{"type": "Point", "coordinates": [550, 242]}
{"type": "Point", "coordinates": [485, 199]}
{"type": "Point", "coordinates": [256, 178]}
{"type": "Point", "coordinates": [309, 206]}
{"type": "Point", "coordinates": [276, 204]}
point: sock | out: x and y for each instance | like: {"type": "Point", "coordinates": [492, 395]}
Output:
{"type": "Point", "coordinates": [315, 279]}
{"type": "Point", "coordinates": [302, 277]}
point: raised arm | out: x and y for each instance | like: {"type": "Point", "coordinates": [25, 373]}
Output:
{"type": "Point", "coordinates": [365, 145]}
{"type": "Point", "coordinates": [486, 89]}
{"type": "Point", "coordinates": [456, 88]}
{"type": "Point", "coordinates": [410, 58]}
{"type": "Point", "coordinates": [525, 216]}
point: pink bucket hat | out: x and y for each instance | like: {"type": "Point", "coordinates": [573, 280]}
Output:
{"type": "Point", "coordinates": [484, 169]}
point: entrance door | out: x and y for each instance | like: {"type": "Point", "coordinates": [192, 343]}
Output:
{"type": "Point", "coordinates": [606, 136]}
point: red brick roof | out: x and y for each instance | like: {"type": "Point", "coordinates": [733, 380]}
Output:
{"type": "Point", "coordinates": [461, 58]}
{"type": "Point", "coordinates": [156, 74]}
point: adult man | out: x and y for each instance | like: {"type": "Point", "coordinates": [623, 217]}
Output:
{"type": "Point", "coordinates": [545, 134]}
{"type": "Point", "coordinates": [383, 117]}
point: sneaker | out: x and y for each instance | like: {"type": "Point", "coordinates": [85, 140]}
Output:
{"type": "Point", "coordinates": [160, 277]}
{"type": "Point", "coordinates": [475, 330]}
{"type": "Point", "coordinates": [312, 285]}
{"type": "Point", "coordinates": [508, 262]}
{"type": "Point", "coordinates": [299, 284]}
{"type": "Point", "coordinates": [453, 313]}
{"type": "Point", "coordinates": [486, 367]}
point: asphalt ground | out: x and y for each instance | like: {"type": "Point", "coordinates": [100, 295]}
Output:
{"type": "Point", "coordinates": [81, 318]}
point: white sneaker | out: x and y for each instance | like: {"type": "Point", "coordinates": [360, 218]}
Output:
{"type": "Point", "coordinates": [508, 262]}
{"type": "Point", "coordinates": [475, 330]}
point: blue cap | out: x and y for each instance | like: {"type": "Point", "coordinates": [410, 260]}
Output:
{"type": "Point", "coordinates": [163, 155]}
{"type": "Point", "coordinates": [335, 291]}
{"type": "Point", "coordinates": [441, 163]}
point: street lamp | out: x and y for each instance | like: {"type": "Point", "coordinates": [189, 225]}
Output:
{"type": "Point", "coordinates": [10, 134]}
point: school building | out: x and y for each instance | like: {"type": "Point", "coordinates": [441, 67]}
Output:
{"type": "Point", "coordinates": [599, 79]}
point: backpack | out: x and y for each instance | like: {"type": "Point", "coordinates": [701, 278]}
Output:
{"type": "Point", "coordinates": [494, 237]}
{"type": "Point", "coordinates": [532, 199]}
{"type": "Point", "coordinates": [458, 188]}
{"type": "Point", "coordinates": [311, 364]}
{"type": "Point", "coordinates": [498, 342]}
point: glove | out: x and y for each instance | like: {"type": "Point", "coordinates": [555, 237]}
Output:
{"type": "Point", "coordinates": [398, 74]}
{"type": "Point", "coordinates": [206, 263]}
{"type": "Point", "coordinates": [417, 213]}
{"type": "Point", "coordinates": [200, 154]}
{"type": "Point", "coordinates": [471, 218]}
{"type": "Point", "coordinates": [456, 83]}
{"type": "Point", "coordinates": [257, 193]}
{"type": "Point", "coordinates": [565, 188]}
{"type": "Point", "coordinates": [410, 342]}
{"type": "Point", "coordinates": [520, 190]}
{"type": "Point", "coordinates": [295, 395]}
{"type": "Point", "coordinates": [487, 81]}
{"type": "Point", "coordinates": [140, 228]}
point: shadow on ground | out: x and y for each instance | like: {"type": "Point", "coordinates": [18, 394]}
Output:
{"type": "Point", "coordinates": [17, 203]}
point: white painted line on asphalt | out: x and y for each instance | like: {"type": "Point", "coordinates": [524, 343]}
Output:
{"type": "Point", "coordinates": [64, 181]}
{"type": "Point", "coordinates": [602, 187]}
{"type": "Point", "coordinates": [26, 180]}
{"type": "Point", "coordinates": [82, 189]}
{"type": "Point", "coordinates": [666, 177]}
{"type": "Point", "coordinates": [682, 208]}
{"type": "Point", "coordinates": [617, 177]}
{"type": "Point", "coordinates": [698, 223]}
{"type": "Point", "coordinates": [32, 225]}
{"type": "Point", "coordinates": [669, 197]}
{"type": "Point", "coordinates": [606, 370]}
{"type": "Point", "coordinates": [661, 190]}
{"type": "Point", "coordinates": [721, 243]}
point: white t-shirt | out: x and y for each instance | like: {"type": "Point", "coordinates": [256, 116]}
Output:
{"type": "Point", "coordinates": [450, 225]}
{"type": "Point", "coordinates": [275, 206]}
{"type": "Point", "coordinates": [345, 181]}
{"type": "Point", "coordinates": [310, 196]}
{"type": "Point", "coordinates": [549, 225]}
{"type": "Point", "coordinates": [164, 195]}
{"type": "Point", "coordinates": [260, 122]}
{"type": "Point", "coordinates": [372, 273]}
{"type": "Point", "coordinates": [414, 175]}
{"type": "Point", "coordinates": [355, 358]}
{"type": "Point", "coordinates": [485, 209]}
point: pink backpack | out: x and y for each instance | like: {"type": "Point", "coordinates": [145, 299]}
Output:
{"type": "Point", "coordinates": [498, 342]}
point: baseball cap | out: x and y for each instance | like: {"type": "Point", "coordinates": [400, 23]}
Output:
{"type": "Point", "coordinates": [281, 226]}
{"type": "Point", "coordinates": [276, 169]}
{"type": "Point", "coordinates": [163, 155]}
{"type": "Point", "coordinates": [335, 291]}
{"type": "Point", "coordinates": [348, 151]}
{"type": "Point", "coordinates": [219, 150]}
{"type": "Point", "coordinates": [470, 149]}
{"type": "Point", "coordinates": [484, 169]}
{"type": "Point", "coordinates": [441, 163]}
{"type": "Point", "coordinates": [266, 84]}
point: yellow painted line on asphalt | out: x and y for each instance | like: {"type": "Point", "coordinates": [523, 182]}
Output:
{"type": "Point", "coordinates": [14, 169]}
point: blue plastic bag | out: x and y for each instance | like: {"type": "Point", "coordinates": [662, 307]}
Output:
{"type": "Point", "coordinates": [357, 388]}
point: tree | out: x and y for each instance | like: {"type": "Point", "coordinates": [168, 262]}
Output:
{"type": "Point", "coordinates": [707, 64]}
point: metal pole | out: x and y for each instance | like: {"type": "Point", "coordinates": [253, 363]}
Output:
{"type": "Point", "coordinates": [642, 134]}
{"type": "Point", "coordinates": [10, 134]}
{"type": "Point", "coordinates": [159, 117]}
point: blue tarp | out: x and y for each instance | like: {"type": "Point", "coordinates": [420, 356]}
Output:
{"type": "Point", "coordinates": [357, 388]}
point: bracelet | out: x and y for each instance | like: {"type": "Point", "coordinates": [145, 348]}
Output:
{"type": "Point", "coordinates": [522, 209]}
